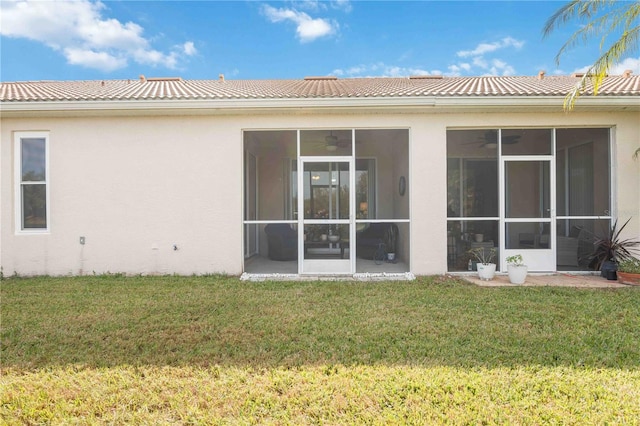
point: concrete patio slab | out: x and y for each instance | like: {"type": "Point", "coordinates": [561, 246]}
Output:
{"type": "Point", "coordinates": [548, 280]}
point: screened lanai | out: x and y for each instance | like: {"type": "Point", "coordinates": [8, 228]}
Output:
{"type": "Point", "coordinates": [326, 201]}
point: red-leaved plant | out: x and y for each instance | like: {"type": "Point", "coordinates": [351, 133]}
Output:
{"type": "Point", "coordinates": [611, 247]}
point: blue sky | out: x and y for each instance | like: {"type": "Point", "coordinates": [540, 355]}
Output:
{"type": "Point", "coordinates": [85, 40]}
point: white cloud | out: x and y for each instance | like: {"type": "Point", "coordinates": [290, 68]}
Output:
{"type": "Point", "coordinates": [582, 69]}
{"type": "Point", "coordinates": [91, 59]}
{"type": "Point", "coordinates": [189, 48]}
{"type": "Point", "coordinates": [381, 69]}
{"type": "Point", "coordinates": [344, 5]}
{"type": "Point", "coordinates": [481, 49]}
{"type": "Point", "coordinates": [155, 57]}
{"type": "Point", "coordinates": [499, 64]}
{"type": "Point", "coordinates": [352, 71]}
{"type": "Point", "coordinates": [307, 28]}
{"type": "Point", "coordinates": [80, 32]}
{"type": "Point", "coordinates": [480, 63]}
{"type": "Point", "coordinates": [311, 5]}
{"type": "Point", "coordinates": [457, 70]}
{"type": "Point", "coordinates": [479, 60]}
{"type": "Point", "coordinates": [323, 5]}
{"type": "Point", "coordinates": [454, 70]}
{"type": "Point", "coordinates": [484, 48]}
{"type": "Point", "coordinates": [499, 67]}
{"type": "Point", "coordinates": [632, 64]}
{"type": "Point", "coordinates": [487, 67]}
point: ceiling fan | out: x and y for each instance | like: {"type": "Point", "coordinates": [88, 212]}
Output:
{"type": "Point", "coordinates": [490, 140]}
{"type": "Point", "coordinates": [332, 142]}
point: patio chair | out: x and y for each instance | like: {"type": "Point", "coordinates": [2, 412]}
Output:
{"type": "Point", "coordinates": [369, 239]}
{"type": "Point", "coordinates": [282, 240]}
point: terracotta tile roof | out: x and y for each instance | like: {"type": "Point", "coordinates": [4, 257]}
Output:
{"type": "Point", "coordinates": [175, 88]}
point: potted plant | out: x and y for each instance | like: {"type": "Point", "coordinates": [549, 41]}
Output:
{"type": "Point", "coordinates": [629, 271]}
{"type": "Point", "coordinates": [484, 257]}
{"type": "Point", "coordinates": [610, 249]}
{"type": "Point", "coordinates": [517, 269]}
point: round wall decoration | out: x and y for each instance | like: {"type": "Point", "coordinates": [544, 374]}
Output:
{"type": "Point", "coordinates": [402, 185]}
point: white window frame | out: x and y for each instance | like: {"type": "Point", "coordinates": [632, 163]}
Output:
{"type": "Point", "coordinates": [18, 137]}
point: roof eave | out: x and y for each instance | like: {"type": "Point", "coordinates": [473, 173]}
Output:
{"type": "Point", "coordinates": [267, 105]}
{"type": "Point", "coordinates": [608, 102]}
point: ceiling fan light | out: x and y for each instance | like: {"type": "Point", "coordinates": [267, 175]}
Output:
{"type": "Point", "coordinates": [331, 147]}
{"type": "Point", "coordinates": [491, 145]}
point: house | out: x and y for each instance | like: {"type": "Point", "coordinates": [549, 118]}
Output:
{"type": "Point", "coordinates": [313, 176]}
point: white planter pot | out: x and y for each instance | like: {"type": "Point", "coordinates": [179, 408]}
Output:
{"type": "Point", "coordinates": [517, 273]}
{"type": "Point", "coordinates": [486, 271]}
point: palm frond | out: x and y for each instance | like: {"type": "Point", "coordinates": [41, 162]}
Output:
{"type": "Point", "coordinates": [600, 18]}
{"type": "Point", "coordinates": [598, 27]}
{"type": "Point", "coordinates": [580, 9]}
{"type": "Point", "coordinates": [599, 70]}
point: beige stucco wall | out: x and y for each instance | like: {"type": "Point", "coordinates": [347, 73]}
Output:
{"type": "Point", "coordinates": [135, 186]}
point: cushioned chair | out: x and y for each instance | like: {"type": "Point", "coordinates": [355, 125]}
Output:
{"type": "Point", "coordinates": [368, 240]}
{"type": "Point", "coordinates": [568, 247]}
{"type": "Point", "coordinates": [283, 241]}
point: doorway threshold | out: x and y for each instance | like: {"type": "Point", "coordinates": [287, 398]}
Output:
{"type": "Point", "coordinates": [366, 276]}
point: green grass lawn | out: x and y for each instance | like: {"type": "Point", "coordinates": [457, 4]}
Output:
{"type": "Point", "coordinates": [215, 350]}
